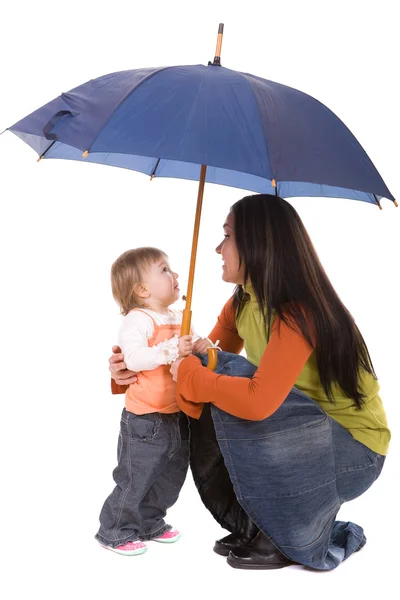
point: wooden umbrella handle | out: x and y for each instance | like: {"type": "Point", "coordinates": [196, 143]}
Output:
{"type": "Point", "coordinates": [212, 354]}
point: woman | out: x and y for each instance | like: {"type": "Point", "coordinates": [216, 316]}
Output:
{"type": "Point", "coordinates": [308, 431]}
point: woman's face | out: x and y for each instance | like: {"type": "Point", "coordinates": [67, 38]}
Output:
{"type": "Point", "coordinates": [231, 272]}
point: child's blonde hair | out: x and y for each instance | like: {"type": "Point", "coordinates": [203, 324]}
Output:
{"type": "Point", "coordinates": [127, 271]}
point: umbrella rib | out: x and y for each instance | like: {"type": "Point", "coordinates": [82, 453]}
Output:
{"type": "Point", "coordinates": [47, 149]}
{"type": "Point", "coordinates": [155, 169]}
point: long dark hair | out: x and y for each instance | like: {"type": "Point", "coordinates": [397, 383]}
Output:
{"type": "Point", "coordinates": [289, 281]}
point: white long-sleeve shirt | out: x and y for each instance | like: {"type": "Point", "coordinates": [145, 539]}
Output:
{"type": "Point", "coordinates": [137, 328]}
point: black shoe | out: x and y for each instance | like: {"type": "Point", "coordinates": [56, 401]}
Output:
{"type": "Point", "coordinates": [260, 553]}
{"type": "Point", "coordinates": [238, 539]}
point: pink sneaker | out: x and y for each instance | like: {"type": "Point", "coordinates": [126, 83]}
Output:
{"type": "Point", "coordinates": [173, 535]}
{"type": "Point", "coordinates": [129, 549]}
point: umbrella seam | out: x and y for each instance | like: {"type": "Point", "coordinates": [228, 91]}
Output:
{"type": "Point", "coordinates": [263, 128]}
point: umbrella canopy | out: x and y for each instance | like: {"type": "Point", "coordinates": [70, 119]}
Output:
{"type": "Point", "coordinates": [210, 124]}
{"type": "Point", "coordinates": [251, 133]}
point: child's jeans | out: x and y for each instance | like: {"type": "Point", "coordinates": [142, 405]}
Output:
{"type": "Point", "coordinates": [153, 458]}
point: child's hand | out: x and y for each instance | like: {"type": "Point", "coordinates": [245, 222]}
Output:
{"type": "Point", "coordinates": [185, 345]}
{"type": "Point", "coordinates": [201, 345]}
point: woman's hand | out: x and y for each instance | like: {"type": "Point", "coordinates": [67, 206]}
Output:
{"type": "Point", "coordinates": [174, 368]}
{"type": "Point", "coordinates": [118, 369]}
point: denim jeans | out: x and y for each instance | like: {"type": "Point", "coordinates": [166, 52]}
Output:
{"type": "Point", "coordinates": [292, 471]}
{"type": "Point", "coordinates": [153, 458]}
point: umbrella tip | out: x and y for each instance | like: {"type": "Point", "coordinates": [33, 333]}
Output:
{"type": "Point", "coordinates": [40, 158]}
{"type": "Point", "coordinates": [84, 155]}
{"type": "Point", "coordinates": [378, 203]}
{"type": "Point", "coordinates": [217, 57]}
{"type": "Point", "coordinates": [395, 203]}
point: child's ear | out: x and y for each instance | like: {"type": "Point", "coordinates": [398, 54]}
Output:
{"type": "Point", "coordinates": [140, 290]}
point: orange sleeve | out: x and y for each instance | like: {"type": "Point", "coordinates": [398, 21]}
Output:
{"type": "Point", "coordinates": [254, 399]}
{"type": "Point", "coordinates": [225, 330]}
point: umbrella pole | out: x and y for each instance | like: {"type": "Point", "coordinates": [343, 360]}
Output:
{"type": "Point", "coordinates": [187, 313]}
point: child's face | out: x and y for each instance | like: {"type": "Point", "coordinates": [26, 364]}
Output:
{"type": "Point", "coordinates": [161, 284]}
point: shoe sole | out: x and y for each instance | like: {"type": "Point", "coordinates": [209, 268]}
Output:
{"type": "Point", "coordinates": [254, 567]}
{"type": "Point", "coordinates": [167, 541]}
{"type": "Point", "coordinates": [126, 553]}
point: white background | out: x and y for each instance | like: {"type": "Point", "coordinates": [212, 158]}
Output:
{"type": "Point", "coordinates": [62, 224]}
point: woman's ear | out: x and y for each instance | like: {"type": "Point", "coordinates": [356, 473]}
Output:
{"type": "Point", "coordinates": [140, 290]}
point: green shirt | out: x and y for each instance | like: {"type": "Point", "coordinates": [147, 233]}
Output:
{"type": "Point", "coordinates": [368, 425]}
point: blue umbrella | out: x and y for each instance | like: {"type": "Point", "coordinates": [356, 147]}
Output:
{"type": "Point", "coordinates": [208, 123]}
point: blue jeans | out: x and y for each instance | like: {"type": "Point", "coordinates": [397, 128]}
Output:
{"type": "Point", "coordinates": [153, 458]}
{"type": "Point", "coordinates": [292, 471]}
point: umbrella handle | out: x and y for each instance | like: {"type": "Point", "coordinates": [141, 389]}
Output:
{"type": "Point", "coordinates": [212, 358]}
